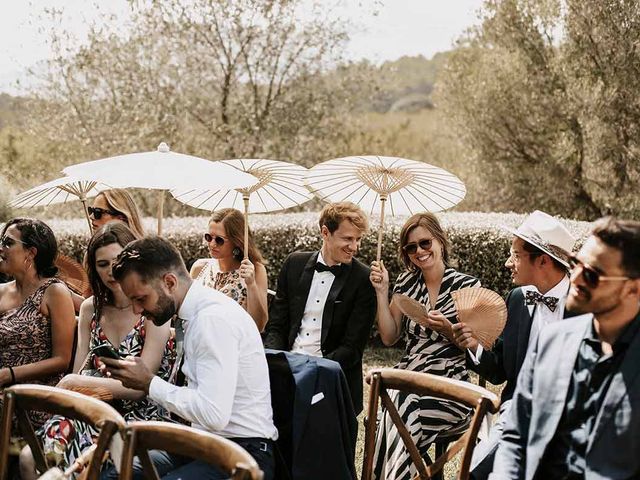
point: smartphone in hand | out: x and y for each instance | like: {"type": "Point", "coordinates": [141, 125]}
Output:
{"type": "Point", "coordinates": [106, 351]}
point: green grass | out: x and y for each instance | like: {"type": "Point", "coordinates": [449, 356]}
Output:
{"type": "Point", "coordinates": [377, 357]}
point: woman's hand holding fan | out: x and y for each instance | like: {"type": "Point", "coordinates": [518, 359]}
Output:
{"type": "Point", "coordinates": [418, 312]}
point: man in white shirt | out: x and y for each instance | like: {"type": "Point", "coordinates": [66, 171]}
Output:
{"type": "Point", "coordinates": [225, 368]}
{"type": "Point", "coordinates": [325, 304]}
{"type": "Point", "coordinates": [539, 266]}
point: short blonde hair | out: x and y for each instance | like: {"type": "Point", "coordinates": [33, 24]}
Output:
{"type": "Point", "coordinates": [334, 213]}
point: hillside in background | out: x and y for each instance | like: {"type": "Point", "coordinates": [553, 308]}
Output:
{"type": "Point", "coordinates": [397, 120]}
{"type": "Point", "coordinates": [405, 85]}
{"type": "Point", "coordinates": [11, 110]}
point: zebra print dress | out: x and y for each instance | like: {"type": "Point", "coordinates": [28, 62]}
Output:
{"type": "Point", "coordinates": [426, 418]}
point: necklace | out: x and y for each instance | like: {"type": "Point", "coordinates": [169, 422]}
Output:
{"type": "Point", "coordinates": [121, 308]}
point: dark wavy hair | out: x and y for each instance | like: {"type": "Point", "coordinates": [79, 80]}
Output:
{"type": "Point", "coordinates": [150, 257]}
{"type": "Point", "coordinates": [623, 235]}
{"type": "Point", "coordinates": [108, 234]}
{"type": "Point", "coordinates": [37, 234]}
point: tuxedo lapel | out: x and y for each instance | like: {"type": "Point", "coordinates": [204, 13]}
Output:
{"type": "Point", "coordinates": [336, 287]}
{"type": "Point", "coordinates": [621, 384]}
{"type": "Point", "coordinates": [524, 325]}
{"type": "Point", "coordinates": [303, 288]}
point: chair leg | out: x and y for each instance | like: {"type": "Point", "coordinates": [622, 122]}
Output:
{"type": "Point", "coordinates": [441, 448]}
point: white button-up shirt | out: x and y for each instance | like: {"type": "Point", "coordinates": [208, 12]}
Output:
{"type": "Point", "coordinates": [309, 336]}
{"type": "Point", "coordinates": [228, 389]}
{"type": "Point", "coordinates": [541, 314]}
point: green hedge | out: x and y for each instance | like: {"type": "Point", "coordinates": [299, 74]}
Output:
{"type": "Point", "coordinates": [479, 243]}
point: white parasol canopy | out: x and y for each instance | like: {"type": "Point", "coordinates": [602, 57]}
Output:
{"type": "Point", "coordinates": [277, 186]}
{"type": "Point", "coordinates": [161, 170]}
{"type": "Point", "coordinates": [372, 182]}
{"type": "Point", "coordinates": [60, 190]}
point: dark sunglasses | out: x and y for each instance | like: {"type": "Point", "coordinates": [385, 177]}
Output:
{"type": "Point", "coordinates": [97, 212]}
{"type": "Point", "coordinates": [411, 248]}
{"type": "Point", "coordinates": [590, 275]}
{"type": "Point", "coordinates": [209, 238]}
{"type": "Point", "coordinates": [8, 242]}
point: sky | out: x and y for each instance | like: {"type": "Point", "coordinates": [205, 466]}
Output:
{"type": "Point", "coordinates": [398, 28]}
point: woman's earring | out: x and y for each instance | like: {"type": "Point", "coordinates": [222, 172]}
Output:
{"type": "Point", "coordinates": [237, 253]}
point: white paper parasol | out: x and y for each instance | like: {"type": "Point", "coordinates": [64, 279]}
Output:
{"type": "Point", "coordinates": [279, 186]}
{"type": "Point", "coordinates": [60, 190]}
{"type": "Point", "coordinates": [372, 182]}
{"type": "Point", "coordinates": [162, 170]}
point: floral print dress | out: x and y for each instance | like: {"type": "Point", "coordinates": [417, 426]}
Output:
{"type": "Point", "coordinates": [25, 337]}
{"type": "Point", "coordinates": [230, 283]}
{"type": "Point", "coordinates": [65, 439]}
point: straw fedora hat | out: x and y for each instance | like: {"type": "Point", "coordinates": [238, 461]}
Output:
{"type": "Point", "coordinates": [548, 234]}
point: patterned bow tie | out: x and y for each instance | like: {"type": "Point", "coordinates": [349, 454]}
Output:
{"type": "Point", "coordinates": [335, 269]}
{"type": "Point", "coordinates": [534, 297]}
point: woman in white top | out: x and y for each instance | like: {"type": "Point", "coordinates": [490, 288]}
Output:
{"type": "Point", "coordinates": [245, 281]}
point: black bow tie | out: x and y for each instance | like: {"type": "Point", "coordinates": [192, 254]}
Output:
{"type": "Point", "coordinates": [534, 297]}
{"type": "Point", "coordinates": [335, 269]}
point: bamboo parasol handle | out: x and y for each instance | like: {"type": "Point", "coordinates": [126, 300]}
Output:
{"type": "Point", "coordinates": [245, 198]}
{"type": "Point", "coordinates": [160, 210]}
{"type": "Point", "coordinates": [86, 214]}
{"type": "Point", "coordinates": [383, 201]}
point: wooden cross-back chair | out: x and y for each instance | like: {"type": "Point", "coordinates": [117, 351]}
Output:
{"type": "Point", "coordinates": [19, 399]}
{"type": "Point", "coordinates": [140, 437]}
{"type": "Point", "coordinates": [480, 400]}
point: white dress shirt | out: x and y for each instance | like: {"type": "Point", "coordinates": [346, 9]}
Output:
{"type": "Point", "coordinates": [228, 389]}
{"type": "Point", "coordinates": [542, 315]}
{"type": "Point", "coordinates": [309, 336]}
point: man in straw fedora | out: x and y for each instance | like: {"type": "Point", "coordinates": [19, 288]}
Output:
{"type": "Point", "coordinates": [539, 265]}
{"type": "Point", "coordinates": [575, 412]}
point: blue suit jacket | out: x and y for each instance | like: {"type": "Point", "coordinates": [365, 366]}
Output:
{"type": "Point", "coordinates": [314, 415]}
{"type": "Point", "coordinates": [613, 451]}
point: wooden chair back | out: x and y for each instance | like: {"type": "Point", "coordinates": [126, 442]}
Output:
{"type": "Point", "coordinates": [140, 437]}
{"type": "Point", "coordinates": [480, 400]}
{"type": "Point", "coordinates": [19, 399]}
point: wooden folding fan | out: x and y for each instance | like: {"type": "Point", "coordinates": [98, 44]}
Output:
{"type": "Point", "coordinates": [482, 310]}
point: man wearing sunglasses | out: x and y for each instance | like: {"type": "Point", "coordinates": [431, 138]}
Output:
{"type": "Point", "coordinates": [576, 409]}
{"type": "Point", "coordinates": [538, 262]}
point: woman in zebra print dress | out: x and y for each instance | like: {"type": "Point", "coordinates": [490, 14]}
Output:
{"type": "Point", "coordinates": [424, 250]}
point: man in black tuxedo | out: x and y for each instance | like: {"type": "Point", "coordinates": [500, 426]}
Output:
{"type": "Point", "coordinates": [325, 304]}
{"type": "Point", "coordinates": [538, 264]}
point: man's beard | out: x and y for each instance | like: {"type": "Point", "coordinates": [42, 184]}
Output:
{"type": "Point", "coordinates": [164, 311]}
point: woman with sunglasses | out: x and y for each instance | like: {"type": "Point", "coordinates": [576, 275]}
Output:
{"type": "Point", "coordinates": [116, 204]}
{"type": "Point", "coordinates": [428, 278]}
{"type": "Point", "coordinates": [243, 280]}
{"type": "Point", "coordinates": [37, 318]}
{"type": "Point", "coordinates": [107, 322]}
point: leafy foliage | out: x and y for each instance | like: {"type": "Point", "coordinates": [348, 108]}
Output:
{"type": "Point", "coordinates": [544, 97]}
{"type": "Point", "coordinates": [480, 245]}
